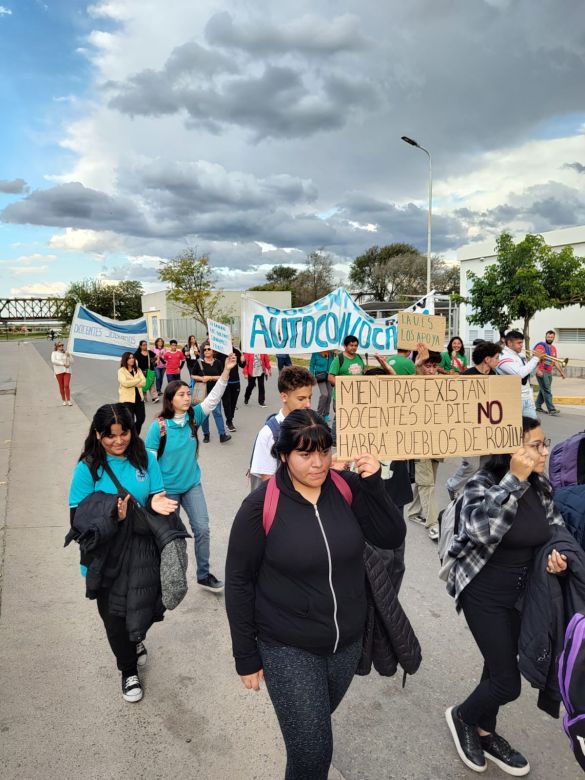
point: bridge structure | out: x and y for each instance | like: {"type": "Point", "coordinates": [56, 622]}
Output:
{"type": "Point", "coordinates": [19, 311]}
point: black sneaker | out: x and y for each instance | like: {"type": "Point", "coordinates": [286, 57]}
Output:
{"type": "Point", "coordinates": [466, 741]}
{"type": "Point", "coordinates": [263, 406]}
{"type": "Point", "coordinates": [499, 750]}
{"type": "Point", "coordinates": [554, 412]}
{"type": "Point", "coordinates": [131, 688]}
{"type": "Point", "coordinates": [141, 654]}
{"type": "Point", "coordinates": [540, 410]}
{"type": "Point", "coordinates": [224, 437]}
{"type": "Point", "coordinates": [206, 438]}
{"type": "Point", "coordinates": [245, 402]}
{"type": "Point", "coordinates": [231, 427]}
{"type": "Point", "coordinates": [211, 583]}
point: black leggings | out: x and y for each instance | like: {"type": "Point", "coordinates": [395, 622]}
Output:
{"type": "Point", "coordinates": [122, 647]}
{"type": "Point", "coordinates": [305, 690]}
{"type": "Point", "coordinates": [250, 386]}
{"type": "Point", "coordinates": [489, 605]}
{"type": "Point", "coordinates": [230, 401]}
{"type": "Point", "coordinates": [138, 412]}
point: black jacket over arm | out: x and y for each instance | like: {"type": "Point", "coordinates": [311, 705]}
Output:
{"type": "Point", "coordinates": [279, 588]}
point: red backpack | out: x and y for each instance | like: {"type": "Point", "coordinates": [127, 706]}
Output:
{"type": "Point", "coordinates": [273, 494]}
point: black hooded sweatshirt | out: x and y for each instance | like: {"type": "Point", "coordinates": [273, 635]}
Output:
{"type": "Point", "coordinates": [303, 585]}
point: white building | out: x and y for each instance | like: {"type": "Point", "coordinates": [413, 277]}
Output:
{"type": "Point", "coordinates": [165, 318]}
{"type": "Point", "coordinates": [568, 323]}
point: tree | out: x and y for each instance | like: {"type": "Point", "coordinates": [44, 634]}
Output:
{"type": "Point", "coordinates": [316, 280]}
{"type": "Point", "coordinates": [281, 275]}
{"type": "Point", "coordinates": [192, 286]}
{"type": "Point", "coordinates": [396, 271]}
{"type": "Point", "coordinates": [100, 297]}
{"type": "Point", "coordinates": [526, 278]}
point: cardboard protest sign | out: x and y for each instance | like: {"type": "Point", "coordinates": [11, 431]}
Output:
{"type": "Point", "coordinates": [220, 337]}
{"type": "Point", "coordinates": [399, 417]}
{"type": "Point", "coordinates": [414, 328]}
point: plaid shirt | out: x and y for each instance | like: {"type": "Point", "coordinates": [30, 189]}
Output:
{"type": "Point", "coordinates": [487, 513]}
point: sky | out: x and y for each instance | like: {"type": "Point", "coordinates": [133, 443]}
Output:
{"type": "Point", "coordinates": [256, 132]}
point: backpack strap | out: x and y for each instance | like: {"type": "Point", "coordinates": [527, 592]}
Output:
{"type": "Point", "coordinates": [270, 504]}
{"type": "Point", "coordinates": [162, 428]}
{"type": "Point", "coordinates": [273, 494]}
{"type": "Point", "coordinates": [342, 486]}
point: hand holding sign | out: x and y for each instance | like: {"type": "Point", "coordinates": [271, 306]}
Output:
{"type": "Point", "coordinates": [366, 465]}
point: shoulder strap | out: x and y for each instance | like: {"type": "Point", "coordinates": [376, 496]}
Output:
{"type": "Point", "coordinates": [270, 504]}
{"type": "Point", "coordinates": [273, 424]}
{"type": "Point", "coordinates": [162, 427]}
{"type": "Point", "coordinates": [120, 488]}
{"type": "Point", "coordinates": [342, 486]}
{"type": "Point", "coordinates": [273, 494]}
{"type": "Point", "coordinates": [341, 358]}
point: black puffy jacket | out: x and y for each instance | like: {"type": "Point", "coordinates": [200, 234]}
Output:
{"type": "Point", "coordinates": [127, 562]}
{"type": "Point", "coordinates": [549, 603]}
{"type": "Point", "coordinates": [389, 639]}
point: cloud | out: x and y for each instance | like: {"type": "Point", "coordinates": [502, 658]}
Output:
{"type": "Point", "coordinates": [13, 186]}
{"type": "Point", "coordinates": [35, 258]}
{"type": "Point", "coordinates": [271, 99]}
{"type": "Point", "coordinates": [309, 34]}
{"type": "Point", "coordinates": [40, 288]}
{"type": "Point", "coordinates": [5, 11]}
{"type": "Point", "coordinates": [576, 166]}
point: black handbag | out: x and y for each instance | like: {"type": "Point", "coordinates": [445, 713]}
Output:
{"type": "Point", "coordinates": [321, 376]}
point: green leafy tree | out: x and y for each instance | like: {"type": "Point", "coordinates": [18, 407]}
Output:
{"type": "Point", "coordinates": [102, 298]}
{"type": "Point", "coordinates": [282, 275]}
{"type": "Point", "coordinates": [192, 286]}
{"type": "Point", "coordinates": [526, 278]}
{"type": "Point", "coordinates": [396, 271]}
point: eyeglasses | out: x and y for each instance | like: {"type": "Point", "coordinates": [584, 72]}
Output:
{"type": "Point", "coordinates": [540, 446]}
{"type": "Point", "coordinates": [207, 349]}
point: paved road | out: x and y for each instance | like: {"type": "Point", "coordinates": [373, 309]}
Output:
{"type": "Point", "coordinates": [61, 712]}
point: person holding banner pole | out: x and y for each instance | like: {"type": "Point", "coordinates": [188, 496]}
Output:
{"type": "Point", "coordinates": [131, 380]}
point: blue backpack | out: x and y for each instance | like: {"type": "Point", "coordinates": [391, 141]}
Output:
{"type": "Point", "coordinates": [274, 426]}
{"type": "Point", "coordinates": [566, 464]}
{"type": "Point", "coordinates": [572, 684]}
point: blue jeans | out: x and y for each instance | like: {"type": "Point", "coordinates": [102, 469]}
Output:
{"type": "Point", "coordinates": [160, 373]}
{"type": "Point", "coordinates": [283, 360]}
{"type": "Point", "coordinates": [545, 392]}
{"type": "Point", "coordinates": [193, 502]}
{"type": "Point", "coordinates": [218, 417]}
{"type": "Point", "coordinates": [528, 408]}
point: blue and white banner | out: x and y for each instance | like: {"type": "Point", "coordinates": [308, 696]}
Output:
{"type": "Point", "coordinates": [94, 336]}
{"type": "Point", "coordinates": [321, 325]}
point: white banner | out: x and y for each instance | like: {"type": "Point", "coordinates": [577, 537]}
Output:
{"type": "Point", "coordinates": [320, 326]}
{"type": "Point", "coordinates": [94, 336]}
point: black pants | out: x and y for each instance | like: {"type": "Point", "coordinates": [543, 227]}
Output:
{"type": "Point", "coordinates": [305, 690]}
{"type": "Point", "coordinates": [489, 605]}
{"type": "Point", "coordinates": [251, 385]}
{"type": "Point", "coordinates": [122, 647]}
{"type": "Point", "coordinates": [230, 401]}
{"type": "Point", "coordinates": [138, 412]}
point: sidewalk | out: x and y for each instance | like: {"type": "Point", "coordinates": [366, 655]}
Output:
{"type": "Point", "coordinates": [569, 391]}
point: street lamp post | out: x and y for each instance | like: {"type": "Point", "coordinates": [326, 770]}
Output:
{"type": "Point", "coordinates": [412, 142]}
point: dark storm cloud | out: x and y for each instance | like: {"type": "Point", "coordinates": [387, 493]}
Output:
{"type": "Point", "coordinates": [576, 166]}
{"type": "Point", "coordinates": [309, 35]}
{"type": "Point", "coordinates": [13, 186]}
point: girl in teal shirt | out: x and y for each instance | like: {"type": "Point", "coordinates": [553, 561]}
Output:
{"type": "Point", "coordinates": [113, 441]}
{"type": "Point", "coordinates": [453, 361]}
{"type": "Point", "coordinates": [172, 438]}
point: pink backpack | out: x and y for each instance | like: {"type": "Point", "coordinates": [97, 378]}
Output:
{"type": "Point", "coordinates": [273, 494]}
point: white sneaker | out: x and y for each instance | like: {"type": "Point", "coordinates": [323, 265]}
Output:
{"type": "Point", "coordinates": [69, 403]}
{"type": "Point", "coordinates": [64, 403]}
{"type": "Point", "coordinates": [131, 688]}
{"type": "Point", "coordinates": [434, 533]}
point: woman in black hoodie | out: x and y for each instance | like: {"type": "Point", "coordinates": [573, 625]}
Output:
{"type": "Point", "coordinates": [295, 596]}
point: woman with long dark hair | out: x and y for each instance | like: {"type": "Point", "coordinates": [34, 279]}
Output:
{"type": "Point", "coordinates": [295, 595]}
{"type": "Point", "coordinates": [506, 515]}
{"type": "Point", "coordinates": [208, 371]}
{"type": "Point", "coordinates": [131, 380]}
{"type": "Point", "coordinates": [113, 447]}
{"type": "Point", "coordinates": [191, 352]}
{"type": "Point", "coordinates": [172, 438]}
{"type": "Point", "coordinates": [453, 360]}
{"type": "Point", "coordinates": [159, 350]}
{"type": "Point", "coordinates": [146, 361]}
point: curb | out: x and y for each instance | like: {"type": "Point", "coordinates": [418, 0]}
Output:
{"type": "Point", "coordinates": [576, 400]}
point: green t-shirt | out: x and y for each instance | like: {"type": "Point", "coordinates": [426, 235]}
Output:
{"type": "Point", "coordinates": [401, 364]}
{"type": "Point", "coordinates": [349, 367]}
{"type": "Point", "coordinates": [447, 364]}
